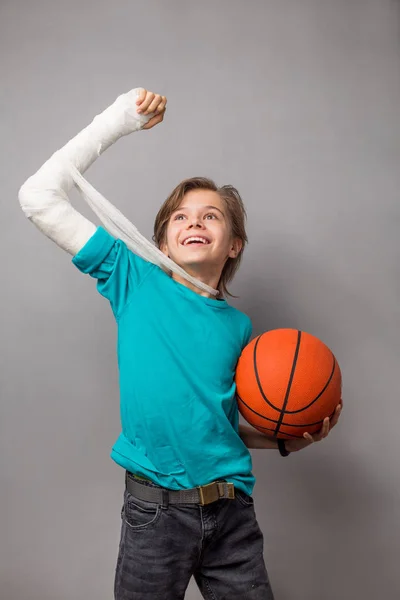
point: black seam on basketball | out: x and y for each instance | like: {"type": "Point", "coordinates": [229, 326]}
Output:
{"type": "Point", "coordinates": [291, 376]}
{"type": "Point", "coordinates": [276, 420]}
{"type": "Point", "coordinates": [287, 412]}
{"type": "Point", "coordinates": [283, 411]}
{"type": "Point", "coordinates": [292, 412]}
{"type": "Point", "coordinates": [257, 377]}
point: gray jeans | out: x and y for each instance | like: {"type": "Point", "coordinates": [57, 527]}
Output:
{"type": "Point", "coordinates": [161, 547]}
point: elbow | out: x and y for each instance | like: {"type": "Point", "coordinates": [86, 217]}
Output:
{"type": "Point", "coordinates": [24, 198]}
{"type": "Point", "coordinates": [32, 199]}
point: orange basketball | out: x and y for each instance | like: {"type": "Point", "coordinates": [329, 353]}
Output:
{"type": "Point", "coordinates": [287, 382]}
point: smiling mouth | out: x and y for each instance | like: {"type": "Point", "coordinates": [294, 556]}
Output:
{"type": "Point", "coordinates": [196, 241]}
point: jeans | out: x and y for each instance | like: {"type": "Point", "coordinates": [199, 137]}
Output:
{"type": "Point", "coordinates": [161, 547]}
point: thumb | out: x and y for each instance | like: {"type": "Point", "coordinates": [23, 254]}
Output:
{"type": "Point", "coordinates": [153, 121]}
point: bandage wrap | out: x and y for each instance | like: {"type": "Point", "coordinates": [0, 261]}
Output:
{"type": "Point", "coordinates": [44, 196]}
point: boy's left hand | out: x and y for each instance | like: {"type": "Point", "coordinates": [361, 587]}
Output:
{"type": "Point", "coordinates": [308, 439]}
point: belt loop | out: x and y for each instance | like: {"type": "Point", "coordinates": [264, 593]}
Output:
{"type": "Point", "coordinates": [165, 498]}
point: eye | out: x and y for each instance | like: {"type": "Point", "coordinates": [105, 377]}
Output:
{"type": "Point", "coordinates": [179, 217]}
{"type": "Point", "coordinates": [212, 215]}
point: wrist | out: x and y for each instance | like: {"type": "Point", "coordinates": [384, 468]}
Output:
{"type": "Point", "coordinates": [267, 443]}
{"type": "Point", "coordinates": [122, 116]}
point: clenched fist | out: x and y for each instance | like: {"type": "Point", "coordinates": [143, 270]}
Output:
{"type": "Point", "coordinates": [151, 103]}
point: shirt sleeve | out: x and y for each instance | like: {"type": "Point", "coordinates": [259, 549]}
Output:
{"type": "Point", "coordinates": [248, 332]}
{"type": "Point", "coordinates": [119, 272]}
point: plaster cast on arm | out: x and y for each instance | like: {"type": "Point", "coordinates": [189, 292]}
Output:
{"type": "Point", "coordinates": [44, 196]}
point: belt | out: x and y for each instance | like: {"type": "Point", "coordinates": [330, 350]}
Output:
{"type": "Point", "coordinates": [203, 494]}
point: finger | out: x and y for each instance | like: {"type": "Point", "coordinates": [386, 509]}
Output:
{"type": "Point", "coordinates": [325, 428]}
{"type": "Point", "coordinates": [141, 95]}
{"type": "Point", "coordinates": [323, 432]}
{"type": "Point", "coordinates": [153, 121]}
{"type": "Point", "coordinates": [308, 437]}
{"type": "Point", "coordinates": [146, 102]}
{"type": "Point", "coordinates": [163, 104]}
{"type": "Point", "coordinates": [154, 105]}
{"type": "Point", "coordinates": [338, 410]}
{"type": "Point", "coordinates": [336, 415]}
{"type": "Point", "coordinates": [161, 108]}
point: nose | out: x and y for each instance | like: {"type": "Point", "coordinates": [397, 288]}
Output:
{"type": "Point", "coordinates": [195, 222]}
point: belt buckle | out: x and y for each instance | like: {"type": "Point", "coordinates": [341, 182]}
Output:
{"type": "Point", "coordinates": [214, 491]}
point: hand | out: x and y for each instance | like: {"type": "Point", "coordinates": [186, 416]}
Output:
{"type": "Point", "coordinates": [308, 439]}
{"type": "Point", "coordinates": [150, 103]}
{"type": "Point", "coordinates": [132, 111]}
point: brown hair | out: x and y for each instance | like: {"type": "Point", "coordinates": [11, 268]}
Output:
{"type": "Point", "coordinates": [236, 215]}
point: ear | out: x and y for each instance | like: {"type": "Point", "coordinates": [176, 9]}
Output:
{"type": "Point", "coordinates": [164, 249]}
{"type": "Point", "coordinates": [235, 248]}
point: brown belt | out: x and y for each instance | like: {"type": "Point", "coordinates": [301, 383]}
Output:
{"type": "Point", "coordinates": [203, 494]}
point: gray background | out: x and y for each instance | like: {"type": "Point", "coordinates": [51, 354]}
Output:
{"type": "Point", "coordinates": [297, 103]}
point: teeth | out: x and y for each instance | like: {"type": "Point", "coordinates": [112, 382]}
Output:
{"type": "Point", "coordinates": [195, 239]}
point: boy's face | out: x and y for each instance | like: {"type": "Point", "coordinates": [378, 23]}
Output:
{"type": "Point", "coordinates": [199, 237]}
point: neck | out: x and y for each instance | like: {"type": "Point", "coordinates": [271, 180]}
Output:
{"type": "Point", "coordinates": [208, 280]}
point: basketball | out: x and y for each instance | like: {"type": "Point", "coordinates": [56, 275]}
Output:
{"type": "Point", "coordinates": [287, 382]}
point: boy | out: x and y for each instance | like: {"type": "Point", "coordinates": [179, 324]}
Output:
{"type": "Point", "coordinates": [187, 505]}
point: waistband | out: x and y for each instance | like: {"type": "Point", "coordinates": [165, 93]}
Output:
{"type": "Point", "coordinates": [205, 494]}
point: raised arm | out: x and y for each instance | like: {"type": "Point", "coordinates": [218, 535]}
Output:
{"type": "Point", "coordinates": [44, 196]}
